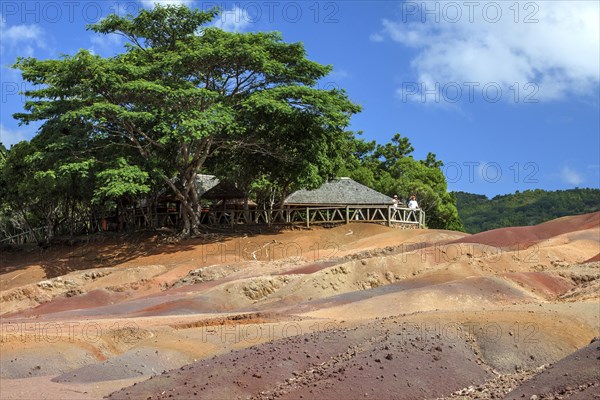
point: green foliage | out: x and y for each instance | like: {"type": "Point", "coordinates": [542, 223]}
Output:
{"type": "Point", "coordinates": [391, 169]}
{"type": "Point", "coordinates": [3, 153]}
{"type": "Point", "coordinates": [121, 180]}
{"type": "Point", "coordinates": [29, 188]}
{"type": "Point", "coordinates": [49, 181]}
{"type": "Point", "coordinates": [530, 207]}
{"type": "Point", "coordinates": [389, 153]}
{"type": "Point", "coordinates": [183, 96]}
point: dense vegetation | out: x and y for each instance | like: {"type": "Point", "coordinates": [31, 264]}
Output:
{"type": "Point", "coordinates": [186, 98]}
{"type": "Point", "coordinates": [181, 92]}
{"type": "Point", "coordinates": [530, 207]}
{"type": "Point", "coordinates": [391, 169]}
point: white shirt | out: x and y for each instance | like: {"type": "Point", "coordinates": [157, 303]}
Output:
{"type": "Point", "coordinates": [413, 205]}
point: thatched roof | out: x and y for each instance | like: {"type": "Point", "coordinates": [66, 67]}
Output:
{"type": "Point", "coordinates": [223, 190]}
{"type": "Point", "coordinates": [236, 202]}
{"type": "Point", "coordinates": [343, 191]}
{"type": "Point", "coordinates": [205, 182]}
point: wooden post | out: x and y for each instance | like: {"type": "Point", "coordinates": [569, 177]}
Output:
{"type": "Point", "coordinates": [389, 217]}
{"type": "Point", "coordinates": [347, 215]}
{"type": "Point", "coordinates": [307, 217]}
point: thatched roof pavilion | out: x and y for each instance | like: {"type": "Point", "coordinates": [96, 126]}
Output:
{"type": "Point", "coordinates": [205, 182]}
{"type": "Point", "coordinates": [338, 192]}
{"type": "Point", "coordinates": [223, 191]}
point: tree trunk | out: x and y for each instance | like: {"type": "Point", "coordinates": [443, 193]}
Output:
{"type": "Point", "coordinates": [187, 194]}
{"type": "Point", "coordinates": [284, 192]}
{"type": "Point", "coordinates": [191, 226]}
{"type": "Point", "coordinates": [186, 223]}
{"type": "Point", "coordinates": [50, 224]}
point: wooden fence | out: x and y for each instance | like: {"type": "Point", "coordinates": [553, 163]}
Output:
{"type": "Point", "coordinates": [302, 216]}
{"type": "Point", "coordinates": [307, 216]}
{"type": "Point", "coordinates": [27, 236]}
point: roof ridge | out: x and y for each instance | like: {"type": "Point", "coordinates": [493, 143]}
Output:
{"type": "Point", "coordinates": [338, 191]}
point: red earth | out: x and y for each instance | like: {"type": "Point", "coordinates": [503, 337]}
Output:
{"type": "Point", "coordinates": [354, 311]}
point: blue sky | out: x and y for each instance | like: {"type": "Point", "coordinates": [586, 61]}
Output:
{"type": "Point", "coordinates": [506, 93]}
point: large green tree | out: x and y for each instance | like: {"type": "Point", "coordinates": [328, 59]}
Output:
{"type": "Point", "coordinates": [182, 92]}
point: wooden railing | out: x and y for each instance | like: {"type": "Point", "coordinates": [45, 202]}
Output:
{"type": "Point", "coordinates": [304, 216]}
{"type": "Point", "coordinates": [27, 236]}
{"type": "Point", "coordinates": [308, 216]}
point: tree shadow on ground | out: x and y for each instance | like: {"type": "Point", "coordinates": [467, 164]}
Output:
{"type": "Point", "coordinates": [108, 249]}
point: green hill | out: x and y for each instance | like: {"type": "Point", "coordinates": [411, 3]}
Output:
{"type": "Point", "coordinates": [530, 207]}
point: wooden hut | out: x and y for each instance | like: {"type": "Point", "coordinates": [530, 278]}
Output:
{"type": "Point", "coordinates": [337, 193]}
{"type": "Point", "coordinates": [345, 200]}
{"type": "Point", "coordinates": [223, 190]}
{"type": "Point", "coordinates": [205, 182]}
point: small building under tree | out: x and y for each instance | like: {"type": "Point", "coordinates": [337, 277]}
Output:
{"type": "Point", "coordinates": [344, 200]}
{"type": "Point", "coordinates": [339, 192]}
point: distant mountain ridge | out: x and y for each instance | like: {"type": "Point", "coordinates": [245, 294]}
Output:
{"type": "Point", "coordinates": [531, 207]}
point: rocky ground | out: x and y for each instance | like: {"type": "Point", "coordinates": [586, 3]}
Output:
{"type": "Point", "coordinates": [355, 311]}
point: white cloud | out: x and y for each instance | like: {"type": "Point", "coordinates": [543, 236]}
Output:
{"type": "Point", "coordinates": [22, 33]}
{"type": "Point", "coordinates": [570, 176]}
{"type": "Point", "coordinates": [151, 3]}
{"type": "Point", "coordinates": [376, 37]}
{"type": "Point", "coordinates": [559, 54]}
{"type": "Point", "coordinates": [21, 37]}
{"type": "Point", "coordinates": [339, 74]}
{"type": "Point", "coordinates": [235, 20]}
{"type": "Point", "coordinates": [111, 43]}
{"type": "Point", "coordinates": [8, 137]}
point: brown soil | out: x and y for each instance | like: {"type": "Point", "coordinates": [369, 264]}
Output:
{"type": "Point", "coordinates": [372, 360]}
{"type": "Point", "coordinates": [355, 311]}
{"type": "Point", "coordinates": [574, 377]}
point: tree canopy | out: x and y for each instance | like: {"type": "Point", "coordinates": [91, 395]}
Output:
{"type": "Point", "coordinates": [182, 93]}
{"type": "Point", "coordinates": [183, 98]}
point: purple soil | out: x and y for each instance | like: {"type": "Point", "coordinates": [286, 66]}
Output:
{"type": "Point", "coordinates": [312, 268]}
{"type": "Point", "coordinates": [98, 303]}
{"type": "Point", "coordinates": [197, 304]}
{"type": "Point", "coordinates": [595, 258]}
{"type": "Point", "coordinates": [124, 308]}
{"type": "Point", "coordinates": [576, 376]}
{"type": "Point", "coordinates": [133, 364]}
{"type": "Point", "coordinates": [526, 236]}
{"type": "Point", "coordinates": [178, 302]}
{"type": "Point", "coordinates": [175, 301]}
{"type": "Point", "coordinates": [89, 300]}
{"type": "Point", "coordinates": [541, 282]}
{"type": "Point", "coordinates": [377, 359]}
{"type": "Point", "coordinates": [155, 304]}
{"type": "Point", "coordinates": [494, 289]}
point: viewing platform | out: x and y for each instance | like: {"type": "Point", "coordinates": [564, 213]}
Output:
{"type": "Point", "coordinates": [308, 216]}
